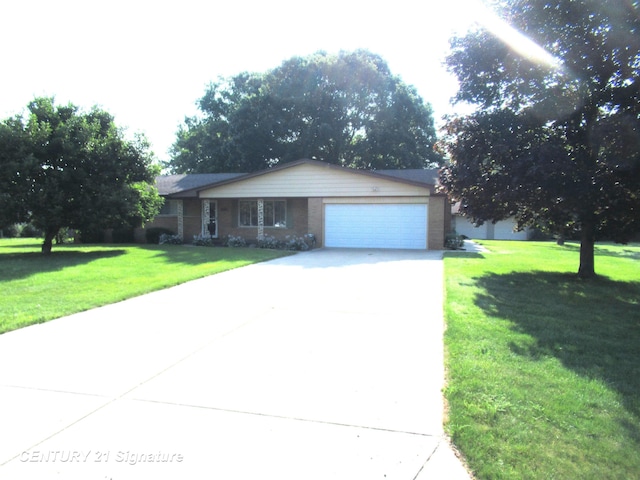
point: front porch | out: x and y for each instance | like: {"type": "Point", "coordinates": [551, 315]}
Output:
{"type": "Point", "coordinates": [252, 219]}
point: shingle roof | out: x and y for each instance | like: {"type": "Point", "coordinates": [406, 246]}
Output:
{"type": "Point", "coordinates": [429, 176]}
{"type": "Point", "coordinates": [187, 185]}
{"type": "Point", "coordinates": [172, 184]}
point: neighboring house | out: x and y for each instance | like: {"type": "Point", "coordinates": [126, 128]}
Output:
{"type": "Point", "coordinates": [339, 207]}
{"type": "Point", "coordinates": [502, 230]}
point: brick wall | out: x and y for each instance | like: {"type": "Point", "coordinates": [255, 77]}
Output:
{"type": "Point", "coordinates": [191, 218]}
{"type": "Point", "coordinates": [437, 222]}
{"type": "Point", "coordinates": [315, 220]}
{"type": "Point", "coordinates": [297, 221]}
{"type": "Point", "coordinates": [170, 222]}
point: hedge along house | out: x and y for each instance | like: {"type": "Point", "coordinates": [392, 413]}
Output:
{"type": "Point", "coordinates": [339, 207]}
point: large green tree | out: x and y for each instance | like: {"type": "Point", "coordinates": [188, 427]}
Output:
{"type": "Point", "coordinates": [61, 167]}
{"type": "Point", "coordinates": [555, 139]}
{"type": "Point", "coordinates": [15, 158]}
{"type": "Point", "coordinates": [345, 109]}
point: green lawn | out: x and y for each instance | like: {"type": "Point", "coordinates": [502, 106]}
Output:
{"type": "Point", "coordinates": [37, 288]}
{"type": "Point", "coordinates": [544, 369]}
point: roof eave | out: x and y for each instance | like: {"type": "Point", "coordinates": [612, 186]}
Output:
{"type": "Point", "coordinates": [295, 163]}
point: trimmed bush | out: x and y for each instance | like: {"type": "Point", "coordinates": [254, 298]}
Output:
{"type": "Point", "coordinates": [293, 242]}
{"type": "Point", "coordinates": [453, 241]}
{"type": "Point", "coordinates": [152, 235]}
{"type": "Point", "coordinates": [233, 241]}
{"type": "Point", "coordinates": [268, 242]}
{"type": "Point", "coordinates": [167, 239]}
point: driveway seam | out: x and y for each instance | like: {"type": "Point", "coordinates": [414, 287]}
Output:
{"type": "Point", "coordinates": [283, 417]}
{"type": "Point", "coordinates": [114, 399]}
{"type": "Point", "coordinates": [435, 449]}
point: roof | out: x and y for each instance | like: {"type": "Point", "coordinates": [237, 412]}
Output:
{"type": "Point", "coordinates": [172, 184]}
{"type": "Point", "coordinates": [429, 176]}
{"type": "Point", "coordinates": [188, 185]}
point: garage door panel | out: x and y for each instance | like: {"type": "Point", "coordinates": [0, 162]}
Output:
{"type": "Point", "coordinates": [376, 225]}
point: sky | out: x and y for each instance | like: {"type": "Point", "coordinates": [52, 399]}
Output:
{"type": "Point", "coordinates": [148, 62]}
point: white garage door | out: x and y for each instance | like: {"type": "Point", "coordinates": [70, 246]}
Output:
{"type": "Point", "coordinates": [376, 226]}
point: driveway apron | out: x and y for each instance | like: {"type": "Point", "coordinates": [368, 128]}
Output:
{"type": "Point", "coordinates": [324, 364]}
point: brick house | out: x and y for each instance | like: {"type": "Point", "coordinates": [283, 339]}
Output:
{"type": "Point", "coordinates": [339, 207]}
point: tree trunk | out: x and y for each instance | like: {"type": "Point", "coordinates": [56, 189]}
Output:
{"type": "Point", "coordinates": [49, 235]}
{"type": "Point", "coordinates": [587, 244]}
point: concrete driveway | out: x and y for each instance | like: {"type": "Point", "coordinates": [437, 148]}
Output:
{"type": "Point", "coordinates": [325, 364]}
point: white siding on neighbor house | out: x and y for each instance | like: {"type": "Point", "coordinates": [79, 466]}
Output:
{"type": "Point", "coordinates": [306, 180]}
{"type": "Point", "coordinates": [505, 231]}
{"type": "Point", "coordinates": [376, 225]}
{"type": "Point", "coordinates": [463, 226]}
{"type": "Point", "coordinates": [502, 230]}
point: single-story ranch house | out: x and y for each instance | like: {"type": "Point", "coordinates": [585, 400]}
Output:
{"type": "Point", "coordinates": [336, 206]}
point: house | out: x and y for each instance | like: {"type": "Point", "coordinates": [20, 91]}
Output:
{"type": "Point", "coordinates": [502, 230]}
{"type": "Point", "coordinates": [337, 206]}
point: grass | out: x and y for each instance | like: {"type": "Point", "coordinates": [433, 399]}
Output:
{"type": "Point", "coordinates": [544, 369]}
{"type": "Point", "coordinates": [74, 278]}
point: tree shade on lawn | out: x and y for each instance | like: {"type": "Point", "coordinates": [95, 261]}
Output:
{"type": "Point", "coordinates": [555, 143]}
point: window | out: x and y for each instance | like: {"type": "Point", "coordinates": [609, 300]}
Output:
{"type": "Point", "coordinates": [170, 207]}
{"type": "Point", "coordinates": [275, 213]}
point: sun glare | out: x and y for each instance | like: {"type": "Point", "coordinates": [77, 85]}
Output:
{"type": "Point", "coordinates": [517, 41]}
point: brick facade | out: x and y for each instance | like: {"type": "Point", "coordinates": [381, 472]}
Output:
{"type": "Point", "coordinates": [304, 216]}
{"type": "Point", "coordinates": [439, 219]}
{"type": "Point", "coordinates": [227, 221]}
{"type": "Point", "coordinates": [307, 186]}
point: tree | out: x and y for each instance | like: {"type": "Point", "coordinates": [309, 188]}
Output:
{"type": "Point", "coordinates": [15, 157]}
{"type": "Point", "coordinates": [66, 168]}
{"type": "Point", "coordinates": [555, 144]}
{"type": "Point", "coordinates": [345, 109]}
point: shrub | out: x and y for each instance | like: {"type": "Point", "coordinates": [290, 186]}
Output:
{"type": "Point", "coordinates": [233, 241]}
{"type": "Point", "coordinates": [152, 234]}
{"type": "Point", "coordinates": [168, 239]}
{"type": "Point", "coordinates": [310, 239]}
{"type": "Point", "coordinates": [92, 235]}
{"type": "Point", "coordinates": [64, 235]}
{"type": "Point", "coordinates": [203, 240]}
{"type": "Point", "coordinates": [13, 231]}
{"type": "Point", "coordinates": [29, 231]}
{"type": "Point", "coordinates": [453, 241]}
{"type": "Point", "coordinates": [292, 242]}
{"type": "Point", "coordinates": [268, 241]}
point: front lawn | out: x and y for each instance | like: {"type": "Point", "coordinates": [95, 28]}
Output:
{"type": "Point", "coordinates": [543, 369]}
{"type": "Point", "coordinates": [37, 288]}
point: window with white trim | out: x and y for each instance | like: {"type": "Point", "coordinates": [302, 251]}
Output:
{"type": "Point", "coordinates": [275, 213]}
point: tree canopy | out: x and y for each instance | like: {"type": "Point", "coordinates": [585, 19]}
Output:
{"type": "Point", "coordinates": [60, 167]}
{"type": "Point", "coordinates": [555, 143]}
{"type": "Point", "coordinates": [345, 109]}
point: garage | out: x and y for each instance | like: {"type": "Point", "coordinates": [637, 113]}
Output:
{"type": "Point", "coordinates": [502, 230]}
{"type": "Point", "coordinates": [376, 226]}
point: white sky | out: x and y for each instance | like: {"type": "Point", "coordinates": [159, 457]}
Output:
{"type": "Point", "coordinates": [148, 62]}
